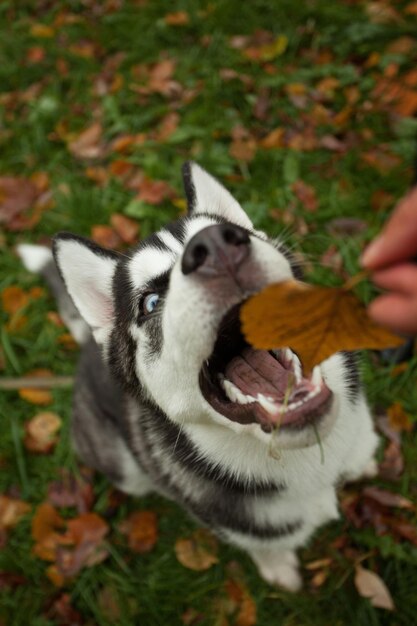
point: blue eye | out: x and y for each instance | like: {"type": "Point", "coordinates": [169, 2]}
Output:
{"type": "Point", "coordinates": [149, 303]}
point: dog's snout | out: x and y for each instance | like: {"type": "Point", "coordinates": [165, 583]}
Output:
{"type": "Point", "coordinates": [216, 249]}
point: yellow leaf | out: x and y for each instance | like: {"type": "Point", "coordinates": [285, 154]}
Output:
{"type": "Point", "coordinates": [42, 30]}
{"type": "Point", "coordinates": [315, 322]}
{"type": "Point", "coordinates": [275, 49]}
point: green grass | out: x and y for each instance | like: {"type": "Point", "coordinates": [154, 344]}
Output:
{"type": "Point", "coordinates": [38, 99]}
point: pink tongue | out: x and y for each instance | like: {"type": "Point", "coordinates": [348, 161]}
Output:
{"type": "Point", "coordinates": [257, 371]}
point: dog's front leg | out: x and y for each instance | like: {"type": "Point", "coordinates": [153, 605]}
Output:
{"type": "Point", "coordinates": [278, 567]}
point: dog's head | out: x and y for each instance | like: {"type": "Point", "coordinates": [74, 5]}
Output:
{"type": "Point", "coordinates": [167, 316]}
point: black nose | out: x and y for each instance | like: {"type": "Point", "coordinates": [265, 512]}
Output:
{"type": "Point", "coordinates": [216, 249]}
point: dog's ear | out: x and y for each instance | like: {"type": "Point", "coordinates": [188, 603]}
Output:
{"type": "Point", "coordinates": [206, 195]}
{"type": "Point", "coordinates": [87, 271]}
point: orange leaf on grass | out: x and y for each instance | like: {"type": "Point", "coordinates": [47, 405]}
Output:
{"type": "Point", "coordinates": [13, 299]}
{"type": "Point", "coordinates": [41, 432]}
{"type": "Point", "coordinates": [398, 419]}
{"type": "Point", "coordinates": [198, 552]}
{"type": "Point", "coordinates": [41, 397]}
{"type": "Point", "coordinates": [306, 194]}
{"type": "Point", "coordinates": [125, 227]}
{"type": "Point", "coordinates": [180, 18]}
{"type": "Point", "coordinates": [45, 525]}
{"type": "Point", "coordinates": [141, 529]}
{"type": "Point", "coordinates": [315, 322]}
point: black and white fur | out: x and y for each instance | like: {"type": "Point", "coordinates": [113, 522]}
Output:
{"type": "Point", "coordinates": [139, 414]}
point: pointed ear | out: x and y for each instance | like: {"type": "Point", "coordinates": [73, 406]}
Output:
{"type": "Point", "coordinates": [206, 195]}
{"type": "Point", "coordinates": [87, 271]}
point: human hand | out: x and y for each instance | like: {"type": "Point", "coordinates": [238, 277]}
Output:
{"type": "Point", "coordinates": [391, 260]}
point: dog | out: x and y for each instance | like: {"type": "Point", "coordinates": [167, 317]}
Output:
{"type": "Point", "coordinates": [170, 398]}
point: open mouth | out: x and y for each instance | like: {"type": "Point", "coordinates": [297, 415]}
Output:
{"type": "Point", "coordinates": [259, 386]}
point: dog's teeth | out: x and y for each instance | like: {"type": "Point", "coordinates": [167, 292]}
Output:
{"type": "Point", "coordinates": [234, 393]}
{"type": "Point", "coordinates": [295, 363]}
{"type": "Point", "coordinates": [316, 377]}
{"type": "Point", "coordinates": [268, 404]}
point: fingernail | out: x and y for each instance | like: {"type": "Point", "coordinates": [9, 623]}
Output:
{"type": "Point", "coordinates": [372, 252]}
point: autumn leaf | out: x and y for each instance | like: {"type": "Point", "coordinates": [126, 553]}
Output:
{"type": "Point", "coordinates": [12, 511]}
{"type": "Point", "coordinates": [125, 227]}
{"type": "Point", "coordinates": [306, 194]}
{"type": "Point", "coordinates": [315, 322]}
{"type": "Point", "coordinates": [13, 299]}
{"type": "Point", "coordinates": [370, 585]}
{"type": "Point", "coordinates": [198, 552]}
{"type": "Point", "coordinates": [88, 144]}
{"type": "Point", "coordinates": [105, 236]}
{"type": "Point", "coordinates": [41, 397]}
{"type": "Point", "coordinates": [71, 491]}
{"type": "Point", "coordinates": [17, 195]}
{"type": "Point", "coordinates": [398, 419]}
{"type": "Point", "coordinates": [388, 498]}
{"type": "Point", "coordinates": [180, 18]}
{"type": "Point", "coordinates": [141, 530]}
{"type": "Point", "coordinates": [41, 432]}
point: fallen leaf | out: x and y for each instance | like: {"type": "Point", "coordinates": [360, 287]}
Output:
{"type": "Point", "coordinates": [398, 419]}
{"type": "Point", "coordinates": [45, 525]}
{"type": "Point", "coordinates": [275, 139]}
{"type": "Point", "coordinates": [370, 585]}
{"type": "Point", "coordinates": [71, 491]}
{"type": "Point", "coordinates": [63, 612]}
{"type": "Point", "coordinates": [17, 195]}
{"type": "Point", "coordinates": [306, 194]}
{"type": "Point", "coordinates": [88, 144]}
{"type": "Point", "coordinates": [387, 498]}
{"type": "Point", "coordinates": [392, 465]}
{"type": "Point", "coordinates": [41, 432]}
{"type": "Point", "coordinates": [13, 299]}
{"type": "Point", "coordinates": [323, 321]}
{"type": "Point", "coordinates": [180, 18]}
{"type": "Point", "coordinates": [42, 30]}
{"type": "Point", "coordinates": [125, 227]}
{"type": "Point", "coordinates": [243, 605]}
{"type": "Point", "coordinates": [11, 579]}
{"type": "Point", "coordinates": [198, 552]}
{"type": "Point", "coordinates": [41, 397]}
{"type": "Point", "coordinates": [347, 226]}
{"type": "Point", "coordinates": [105, 236]}
{"type": "Point", "coordinates": [12, 511]}
{"type": "Point", "coordinates": [141, 528]}
{"type": "Point", "coordinates": [155, 191]}
{"type": "Point", "coordinates": [268, 51]}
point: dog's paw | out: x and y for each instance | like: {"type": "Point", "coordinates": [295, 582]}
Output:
{"type": "Point", "coordinates": [279, 569]}
{"type": "Point", "coordinates": [371, 469]}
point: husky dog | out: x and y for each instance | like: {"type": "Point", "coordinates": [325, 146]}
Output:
{"type": "Point", "coordinates": [169, 396]}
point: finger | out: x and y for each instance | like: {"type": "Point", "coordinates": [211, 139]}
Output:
{"type": "Point", "coordinates": [398, 240]}
{"type": "Point", "coordinates": [401, 278]}
{"type": "Point", "coordinates": [396, 311]}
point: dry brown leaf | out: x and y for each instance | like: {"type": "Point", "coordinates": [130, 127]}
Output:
{"type": "Point", "coordinates": [315, 322]}
{"type": "Point", "coordinates": [388, 498]}
{"type": "Point", "coordinates": [71, 491]}
{"type": "Point", "coordinates": [125, 227]}
{"type": "Point", "coordinates": [141, 529]}
{"type": "Point", "coordinates": [41, 432]}
{"type": "Point", "coordinates": [370, 585]}
{"type": "Point", "coordinates": [40, 397]}
{"type": "Point", "coordinates": [306, 194]}
{"type": "Point", "coordinates": [88, 144]}
{"type": "Point", "coordinates": [198, 552]}
{"type": "Point", "coordinates": [105, 236]}
{"type": "Point", "coordinates": [180, 18]}
{"type": "Point", "coordinates": [17, 195]}
{"type": "Point", "coordinates": [12, 511]}
{"type": "Point", "coordinates": [398, 419]}
{"type": "Point", "coordinates": [13, 299]}
{"type": "Point", "coordinates": [155, 191]}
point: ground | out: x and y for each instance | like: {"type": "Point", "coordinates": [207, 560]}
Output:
{"type": "Point", "coordinates": [306, 111]}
